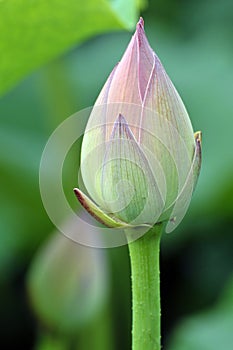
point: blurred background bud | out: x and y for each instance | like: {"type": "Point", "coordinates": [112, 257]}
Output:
{"type": "Point", "coordinates": [67, 284]}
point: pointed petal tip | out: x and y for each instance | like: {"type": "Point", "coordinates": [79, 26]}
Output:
{"type": "Point", "coordinates": [79, 196]}
{"type": "Point", "coordinates": [120, 119]}
{"type": "Point", "coordinates": [76, 191]}
{"type": "Point", "coordinates": [140, 23]}
{"type": "Point", "coordinates": [121, 129]}
{"type": "Point", "coordinates": [198, 136]}
{"type": "Point", "coordinates": [140, 33]}
{"type": "Point", "coordinates": [198, 139]}
{"type": "Point", "coordinates": [198, 158]}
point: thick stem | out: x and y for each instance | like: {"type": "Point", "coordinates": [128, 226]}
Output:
{"type": "Point", "coordinates": [144, 256]}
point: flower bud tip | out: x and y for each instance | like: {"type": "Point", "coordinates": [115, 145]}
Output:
{"type": "Point", "coordinates": [121, 129]}
{"type": "Point", "coordinates": [140, 23]}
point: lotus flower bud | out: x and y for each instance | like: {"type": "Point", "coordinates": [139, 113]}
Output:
{"type": "Point", "coordinates": [67, 283]}
{"type": "Point", "coordinates": [140, 158]}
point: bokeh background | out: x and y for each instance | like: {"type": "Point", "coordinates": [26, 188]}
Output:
{"type": "Point", "coordinates": [54, 59]}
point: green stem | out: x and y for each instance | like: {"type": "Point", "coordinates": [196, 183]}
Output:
{"type": "Point", "coordinates": [144, 256]}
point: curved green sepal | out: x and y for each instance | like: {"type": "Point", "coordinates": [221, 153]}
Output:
{"type": "Point", "coordinates": [98, 213]}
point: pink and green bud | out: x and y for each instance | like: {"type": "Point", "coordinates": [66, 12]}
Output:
{"type": "Point", "coordinates": [140, 159]}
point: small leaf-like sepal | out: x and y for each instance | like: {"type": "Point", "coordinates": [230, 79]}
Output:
{"type": "Point", "coordinates": [99, 214]}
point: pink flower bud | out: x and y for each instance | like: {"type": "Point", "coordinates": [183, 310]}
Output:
{"type": "Point", "coordinates": [139, 151]}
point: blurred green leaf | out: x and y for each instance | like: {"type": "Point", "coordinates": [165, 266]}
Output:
{"type": "Point", "coordinates": [34, 32]}
{"type": "Point", "coordinates": [210, 330]}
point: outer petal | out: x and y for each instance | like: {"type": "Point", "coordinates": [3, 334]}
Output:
{"type": "Point", "coordinates": [162, 97]}
{"type": "Point", "coordinates": [166, 130]}
{"type": "Point", "coordinates": [128, 185]}
{"type": "Point", "coordinates": [93, 145]}
{"type": "Point", "coordinates": [183, 200]}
